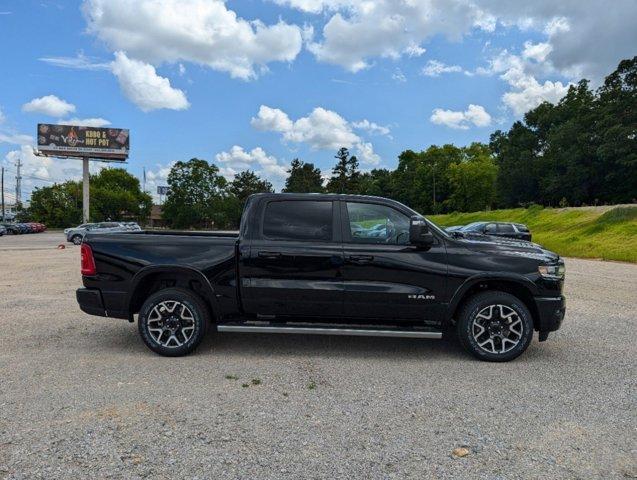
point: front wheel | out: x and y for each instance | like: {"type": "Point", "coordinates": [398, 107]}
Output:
{"type": "Point", "coordinates": [495, 326]}
{"type": "Point", "coordinates": [76, 239]}
{"type": "Point", "coordinates": [173, 322]}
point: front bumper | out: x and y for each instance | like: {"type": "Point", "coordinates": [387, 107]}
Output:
{"type": "Point", "coordinates": [551, 311]}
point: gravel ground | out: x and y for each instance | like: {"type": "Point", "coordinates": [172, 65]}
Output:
{"type": "Point", "coordinates": [81, 396]}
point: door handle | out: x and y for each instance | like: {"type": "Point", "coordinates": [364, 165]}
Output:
{"type": "Point", "coordinates": [360, 259]}
{"type": "Point", "coordinates": [270, 255]}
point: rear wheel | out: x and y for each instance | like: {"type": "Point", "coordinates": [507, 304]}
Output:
{"type": "Point", "coordinates": [173, 322]}
{"type": "Point", "coordinates": [495, 326]}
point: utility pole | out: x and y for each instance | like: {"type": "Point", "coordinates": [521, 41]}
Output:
{"type": "Point", "coordinates": [434, 176]}
{"type": "Point", "coordinates": [144, 181]}
{"type": "Point", "coordinates": [85, 190]}
{"type": "Point", "coordinates": [2, 189]}
{"type": "Point", "coordinates": [18, 183]}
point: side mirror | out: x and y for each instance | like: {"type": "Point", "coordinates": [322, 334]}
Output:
{"type": "Point", "coordinates": [419, 233]}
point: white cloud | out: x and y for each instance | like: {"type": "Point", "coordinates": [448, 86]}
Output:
{"type": "Point", "coordinates": [142, 86]}
{"type": "Point", "coordinates": [2, 116]}
{"type": "Point", "coordinates": [237, 159]}
{"type": "Point", "coordinates": [399, 76]}
{"type": "Point", "coordinates": [529, 93]}
{"type": "Point", "coordinates": [587, 37]}
{"type": "Point", "coordinates": [371, 127]}
{"type": "Point", "coordinates": [474, 115]}
{"type": "Point", "coordinates": [79, 62]}
{"type": "Point", "coordinates": [86, 122]}
{"type": "Point", "coordinates": [536, 51]}
{"type": "Point", "coordinates": [362, 30]}
{"type": "Point", "coordinates": [321, 130]}
{"type": "Point", "coordinates": [44, 171]}
{"type": "Point", "coordinates": [520, 73]}
{"type": "Point", "coordinates": [435, 68]}
{"type": "Point", "coordinates": [15, 138]}
{"type": "Point", "coordinates": [49, 105]}
{"type": "Point", "coordinates": [205, 32]}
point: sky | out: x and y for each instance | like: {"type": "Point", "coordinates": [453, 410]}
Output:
{"type": "Point", "coordinates": [253, 84]}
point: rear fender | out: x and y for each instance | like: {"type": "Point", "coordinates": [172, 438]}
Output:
{"type": "Point", "coordinates": [144, 273]}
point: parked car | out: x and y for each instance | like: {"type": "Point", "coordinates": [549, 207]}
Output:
{"type": "Point", "coordinates": [3, 230]}
{"type": "Point", "coordinates": [497, 229]}
{"type": "Point", "coordinates": [11, 228]}
{"type": "Point", "coordinates": [76, 234]}
{"type": "Point", "coordinates": [296, 267]}
{"type": "Point", "coordinates": [132, 226]}
{"type": "Point", "coordinates": [24, 228]}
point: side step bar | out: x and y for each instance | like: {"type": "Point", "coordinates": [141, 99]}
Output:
{"type": "Point", "coordinates": [362, 332]}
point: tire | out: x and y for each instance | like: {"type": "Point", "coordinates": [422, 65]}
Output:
{"type": "Point", "coordinates": [76, 239]}
{"type": "Point", "coordinates": [495, 326]}
{"type": "Point", "coordinates": [168, 332]}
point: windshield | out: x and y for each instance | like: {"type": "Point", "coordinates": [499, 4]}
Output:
{"type": "Point", "coordinates": [472, 227]}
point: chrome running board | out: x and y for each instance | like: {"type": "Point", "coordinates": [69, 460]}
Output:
{"type": "Point", "coordinates": [362, 332]}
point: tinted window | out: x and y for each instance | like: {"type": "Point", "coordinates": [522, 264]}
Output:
{"type": "Point", "coordinates": [505, 228]}
{"type": "Point", "coordinates": [369, 223]}
{"type": "Point", "coordinates": [490, 228]}
{"type": "Point", "coordinates": [298, 220]}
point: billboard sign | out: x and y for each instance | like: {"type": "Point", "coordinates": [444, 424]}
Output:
{"type": "Point", "coordinates": [78, 141]}
{"type": "Point", "coordinates": [161, 190]}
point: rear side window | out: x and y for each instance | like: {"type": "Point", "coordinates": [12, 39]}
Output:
{"type": "Point", "coordinates": [490, 228]}
{"type": "Point", "coordinates": [298, 220]}
{"type": "Point", "coordinates": [505, 228]}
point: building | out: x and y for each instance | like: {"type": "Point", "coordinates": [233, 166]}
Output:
{"type": "Point", "coordinates": [155, 220]}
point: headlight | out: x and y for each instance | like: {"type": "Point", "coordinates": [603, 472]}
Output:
{"type": "Point", "coordinates": [552, 271]}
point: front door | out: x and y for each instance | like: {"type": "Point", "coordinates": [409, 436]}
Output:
{"type": "Point", "coordinates": [293, 268]}
{"type": "Point", "coordinates": [384, 276]}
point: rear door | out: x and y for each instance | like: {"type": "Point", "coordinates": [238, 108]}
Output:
{"type": "Point", "coordinates": [384, 276]}
{"type": "Point", "coordinates": [293, 266]}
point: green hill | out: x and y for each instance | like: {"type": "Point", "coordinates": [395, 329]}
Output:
{"type": "Point", "coordinates": [609, 233]}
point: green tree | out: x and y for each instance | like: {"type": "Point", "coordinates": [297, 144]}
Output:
{"type": "Point", "coordinates": [617, 130]}
{"type": "Point", "coordinates": [244, 184]}
{"type": "Point", "coordinates": [303, 178]}
{"type": "Point", "coordinates": [345, 174]}
{"type": "Point", "coordinates": [117, 195]}
{"type": "Point", "coordinates": [377, 182]}
{"type": "Point", "coordinates": [473, 184]}
{"type": "Point", "coordinates": [197, 196]}
{"type": "Point", "coordinates": [57, 206]}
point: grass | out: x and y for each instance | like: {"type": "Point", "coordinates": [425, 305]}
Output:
{"type": "Point", "coordinates": [609, 233]}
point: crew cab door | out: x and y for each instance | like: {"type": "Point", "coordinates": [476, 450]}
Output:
{"type": "Point", "coordinates": [294, 262]}
{"type": "Point", "coordinates": [384, 276]}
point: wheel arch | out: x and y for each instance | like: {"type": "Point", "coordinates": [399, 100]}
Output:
{"type": "Point", "coordinates": [157, 277]}
{"type": "Point", "coordinates": [518, 286]}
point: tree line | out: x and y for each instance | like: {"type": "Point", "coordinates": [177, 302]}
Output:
{"type": "Point", "coordinates": [580, 151]}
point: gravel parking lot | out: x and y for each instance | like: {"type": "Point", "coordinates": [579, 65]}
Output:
{"type": "Point", "coordinates": [82, 396]}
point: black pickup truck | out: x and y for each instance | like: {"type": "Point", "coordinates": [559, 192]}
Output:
{"type": "Point", "coordinates": [325, 264]}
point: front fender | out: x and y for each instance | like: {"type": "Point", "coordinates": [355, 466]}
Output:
{"type": "Point", "coordinates": [505, 277]}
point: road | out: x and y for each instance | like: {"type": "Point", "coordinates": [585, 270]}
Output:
{"type": "Point", "coordinates": [82, 396]}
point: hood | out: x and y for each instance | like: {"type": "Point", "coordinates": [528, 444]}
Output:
{"type": "Point", "coordinates": [507, 246]}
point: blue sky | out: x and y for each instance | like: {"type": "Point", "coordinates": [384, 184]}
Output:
{"type": "Point", "coordinates": [256, 83]}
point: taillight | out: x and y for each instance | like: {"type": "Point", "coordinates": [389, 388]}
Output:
{"type": "Point", "coordinates": [88, 262]}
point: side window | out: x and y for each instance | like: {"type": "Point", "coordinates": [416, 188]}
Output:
{"type": "Point", "coordinates": [370, 223]}
{"type": "Point", "coordinates": [505, 228]}
{"type": "Point", "coordinates": [298, 220]}
{"type": "Point", "coordinates": [490, 228]}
